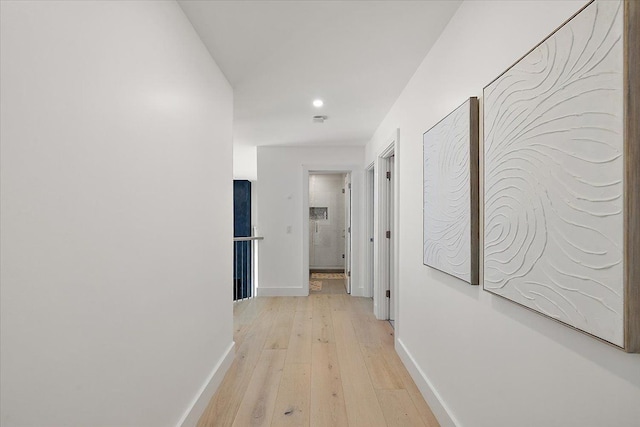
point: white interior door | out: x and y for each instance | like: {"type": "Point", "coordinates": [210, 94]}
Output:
{"type": "Point", "coordinates": [391, 238]}
{"type": "Point", "coordinates": [347, 240]}
{"type": "Point", "coordinates": [313, 230]}
{"type": "Point", "coordinates": [371, 218]}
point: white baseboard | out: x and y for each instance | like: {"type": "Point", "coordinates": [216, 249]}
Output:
{"type": "Point", "coordinates": [356, 292]}
{"type": "Point", "coordinates": [282, 292]}
{"type": "Point", "coordinates": [434, 400]}
{"type": "Point", "coordinates": [204, 395]}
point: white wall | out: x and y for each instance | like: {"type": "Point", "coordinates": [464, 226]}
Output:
{"type": "Point", "coordinates": [116, 214]}
{"type": "Point", "coordinates": [491, 362]}
{"type": "Point", "coordinates": [327, 236]}
{"type": "Point", "coordinates": [245, 162]}
{"type": "Point", "coordinates": [283, 219]}
{"type": "Point", "coordinates": [245, 167]}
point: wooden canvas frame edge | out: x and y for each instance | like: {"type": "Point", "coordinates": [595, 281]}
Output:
{"type": "Point", "coordinates": [474, 190]}
{"type": "Point", "coordinates": [632, 175]}
{"type": "Point", "coordinates": [631, 147]}
{"type": "Point", "coordinates": [474, 176]}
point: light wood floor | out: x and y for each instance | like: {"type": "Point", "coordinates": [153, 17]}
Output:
{"type": "Point", "coordinates": [322, 360]}
{"type": "Point", "coordinates": [331, 286]}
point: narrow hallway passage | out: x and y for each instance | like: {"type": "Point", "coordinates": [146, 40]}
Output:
{"type": "Point", "coordinates": [322, 360]}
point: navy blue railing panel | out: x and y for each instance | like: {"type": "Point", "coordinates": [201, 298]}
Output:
{"type": "Point", "coordinates": [242, 285]}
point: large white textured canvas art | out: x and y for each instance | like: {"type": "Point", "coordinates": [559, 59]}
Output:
{"type": "Point", "coordinates": [451, 193]}
{"type": "Point", "coordinates": [554, 126]}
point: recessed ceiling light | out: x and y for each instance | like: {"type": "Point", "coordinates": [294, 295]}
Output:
{"type": "Point", "coordinates": [318, 103]}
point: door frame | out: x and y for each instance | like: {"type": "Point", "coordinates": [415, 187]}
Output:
{"type": "Point", "coordinates": [355, 172]}
{"type": "Point", "coordinates": [386, 254]}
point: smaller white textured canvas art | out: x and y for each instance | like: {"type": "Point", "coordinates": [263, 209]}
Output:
{"type": "Point", "coordinates": [447, 194]}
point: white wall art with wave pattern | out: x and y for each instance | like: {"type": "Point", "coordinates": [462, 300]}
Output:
{"type": "Point", "coordinates": [451, 193]}
{"type": "Point", "coordinates": [554, 126]}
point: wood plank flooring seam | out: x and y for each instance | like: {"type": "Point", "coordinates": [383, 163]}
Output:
{"type": "Point", "coordinates": [310, 382]}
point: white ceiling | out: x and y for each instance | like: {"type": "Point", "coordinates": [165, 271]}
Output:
{"type": "Point", "coordinates": [279, 56]}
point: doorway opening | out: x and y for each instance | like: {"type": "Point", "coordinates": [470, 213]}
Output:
{"type": "Point", "coordinates": [385, 293]}
{"type": "Point", "coordinates": [330, 232]}
{"type": "Point", "coordinates": [390, 238]}
{"type": "Point", "coordinates": [370, 273]}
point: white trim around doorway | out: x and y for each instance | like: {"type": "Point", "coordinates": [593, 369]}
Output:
{"type": "Point", "coordinates": [381, 248]}
{"type": "Point", "coordinates": [357, 177]}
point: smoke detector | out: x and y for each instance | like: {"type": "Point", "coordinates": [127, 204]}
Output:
{"type": "Point", "coordinates": [319, 119]}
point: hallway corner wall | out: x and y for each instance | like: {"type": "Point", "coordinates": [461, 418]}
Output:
{"type": "Point", "coordinates": [480, 360]}
{"type": "Point", "coordinates": [116, 215]}
{"type": "Point", "coordinates": [280, 216]}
